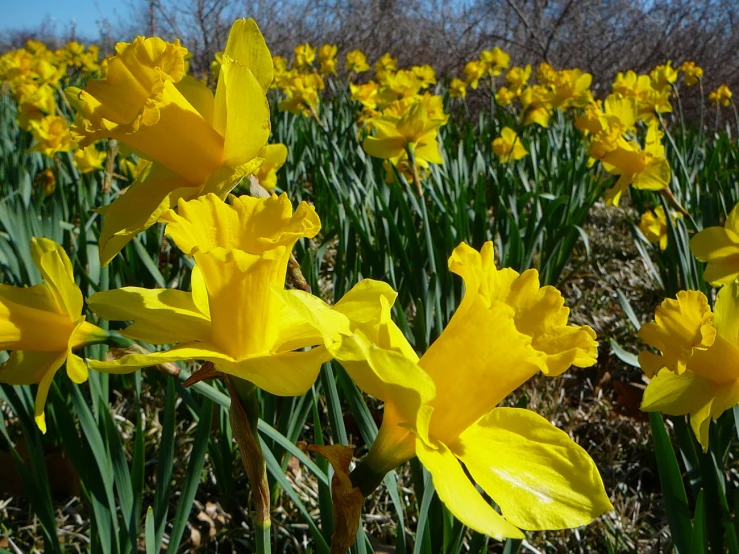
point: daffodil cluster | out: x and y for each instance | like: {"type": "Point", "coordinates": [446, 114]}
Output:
{"type": "Point", "coordinates": [611, 127]}
{"type": "Point", "coordinates": [35, 73]}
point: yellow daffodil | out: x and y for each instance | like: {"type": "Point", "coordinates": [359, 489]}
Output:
{"type": "Point", "coordinates": [239, 315]}
{"type": "Point", "coordinates": [691, 72]}
{"type": "Point", "coordinates": [197, 143]}
{"type": "Point", "coordinates": [457, 88]}
{"type": "Point", "coordinates": [133, 170]}
{"type": "Point", "coordinates": [546, 74]}
{"type": "Point", "coordinates": [654, 226]}
{"type": "Point", "coordinates": [504, 96]}
{"type": "Point", "coordinates": [536, 106]}
{"type": "Point", "coordinates": [398, 86]}
{"type": "Point", "coordinates": [274, 156]}
{"type": "Point", "coordinates": [356, 61]}
{"type": "Point", "coordinates": [414, 130]}
{"type": "Point", "coordinates": [305, 54]}
{"type": "Point", "coordinates": [425, 74]}
{"type": "Point", "coordinates": [719, 246]}
{"type": "Point", "coordinates": [43, 324]}
{"type": "Point", "coordinates": [301, 93]}
{"type": "Point", "coordinates": [327, 59]}
{"type": "Point", "coordinates": [496, 61]}
{"type": "Point", "coordinates": [721, 96]}
{"type": "Point", "coordinates": [473, 72]}
{"type": "Point", "coordinates": [51, 135]}
{"type": "Point", "coordinates": [697, 370]}
{"type": "Point", "coordinates": [385, 65]}
{"type": "Point", "coordinates": [366, 94]}
{"type": "Point", "coordinates": [571, 88]}
{"type": "Point", "coordinates": [442, 407]}
{"type": "Point", "coordinates": [517, 77]}
{"type": "Point", "coordinates": [646, 169]}
{"type": "Point", "coordinates": [664, 75]}
{"type": "Point", "coordinates": [508, 146]}
{"type": "Point", "coordinates": [89, 159]}
{"type": "Point", "coordinates": [279, 63]}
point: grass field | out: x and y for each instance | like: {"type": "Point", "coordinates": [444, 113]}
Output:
{"type": "Point", "coordinates": [206, 449]}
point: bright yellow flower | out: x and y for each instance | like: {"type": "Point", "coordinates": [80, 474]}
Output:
{"type": "Point", "coordinates": [52, 135]}
{"type": "Point", "coordinates": [34, 103]}
{"type": "Point", "coordinates": [425, 74]}
{"type": "Point", "coordinates": [664, 75]}
{"type": "Point", "coordinates": [327, 59]}
{"type": "Point", "coordinates": [133, 170]}
{"type": "Point", "coordinates": [571, 87]}
{"type": "Point", "coordinates": [305, 54]}
{"type": "Point", "coordinates": [617, 116]}
{"type": "Point", "coordinates": [366, 94]}
{"type": "Point", "coordinates": [722, 95]}
{"type": "Point", "coordinates": [397, 86]}
{"type": "Point", "coordinates": [692, 73]}
{"type": "Point", "coordinates": [385, 65]}
{"type": "Point", "coordinates": [496, 61]}
{"type": "Point", "coordinates": [414, 130]}
{"type": "Point", "coordinates": [89, 159]}
{"type": "Point", "coordinates": [508, 146]}
{"type": "Point", "coordinates": [473, 72]}
{"type": "Point", "coordinates": [279, 63]}
{"type": "Point", "coordinates": [356, 61]}
{"type": "Point", "coordinates": [274, 156]}
{"type": "Point", "coordinates": [42, 324]}
{"type": "Point", "coordinates": [536, 106]}
{"type": "Point", "coordinates": [654, 226]}
{"type": "Point", "coordinates": [546, 74]}
{"type": "Point", "coordinates": [697, 372]}
{"type": "Point", "coordinates": [504, 96]}
{"type": "Point", "coordinates": [517, 77]}
{"type": "Point", "coordinates": [442, 407]}
{"type": "Point", "coordinates": [719, 246]}
{"type": "Point", "coordinates": [197, 143]}
{"type": "Point", "coordinates": [239, 315]}
{"type": "Point", "coordinates": [301, 91]}
{"type": "Point", "coordinates": [646, 169]}
{"type": "Point", "coordinates": [457, 88]}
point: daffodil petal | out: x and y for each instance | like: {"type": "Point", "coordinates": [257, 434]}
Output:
{"type": "Point", "coordinates": [246, 46]}
{"type": "Point", "coordinates": [283, 374]}
{"type": "Point", "coordinates": [161, 316]}
{"type": "Point", "coordinates": [387, 375]}
{"type": "Point", "coordinates": [692, 394]}
{"type": "Point", "coordinates": [460, 496]}
{"type": "Point", "coordinates": [28, 328]}
{"type": "Point", "coordinates": [76, 368]}
{"type": "Point", "coordinates": [56, 269]}
{"type": "Point", "coordinates": [156, 190]}
{"type": "Point", "coordinates": [537, 475]}
{"type": "Point", "coordinates": [247, 123]}
{"type": "Point", "coordinates": [198, 95]}
{"type": "Point", "coordinates": [313, 319]}
{"type": "Point", "coordinates": [384, 148]}
{"type": "Point", "coordinates": [29, 367]}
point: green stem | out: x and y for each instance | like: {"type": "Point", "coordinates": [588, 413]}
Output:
{"type": "Point", "coordinates": [263, 538]}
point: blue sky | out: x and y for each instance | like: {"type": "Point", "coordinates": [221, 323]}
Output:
{"type": "Point", "coordinates": [29, 14]}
